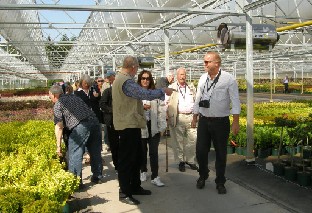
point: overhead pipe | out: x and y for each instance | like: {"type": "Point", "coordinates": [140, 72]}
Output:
{"type": "Point", "coordinates": [280, 29]}
{"type": "Point", "coordinates": [294, 26]}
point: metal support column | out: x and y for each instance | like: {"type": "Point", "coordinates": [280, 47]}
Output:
{"type": "Point", "coordinates": [250, 108]}
{"type": "Point", "coordinates": [114, 64]}
{"type": "Point", "coordinates": [166, 39]}
{"type": "Point", "coordinates": [302, 80]}
{"type": "Point", "coordinates": [271, 78]}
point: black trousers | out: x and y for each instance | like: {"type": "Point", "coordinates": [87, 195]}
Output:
{"type": "Point", "coordinates": [216, 131]}
{"type": "Point", "coordinates": [113, 139]}
{"type": "Point", "coordinates": [285, 87]}
{"type": "Point", "coordinates": [129, 160]}
{"type": "Point", "coordinates": [153, 144]}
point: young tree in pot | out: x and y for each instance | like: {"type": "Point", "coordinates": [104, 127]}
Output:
{"type": "Point", "coordinates": [282, 122]}
{"type": "Point", "coordinates": [303, 177]}
{"type": "Point", "coordinates": [291, 171]}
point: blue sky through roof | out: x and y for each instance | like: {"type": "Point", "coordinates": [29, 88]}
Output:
{"type": "Point", "coordinates": [60, 21]}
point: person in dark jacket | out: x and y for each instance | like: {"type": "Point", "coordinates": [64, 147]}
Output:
{"type": "Point", "coordinates": [107, 109]}
{"type": "Point", "coordinates": [91, 96]}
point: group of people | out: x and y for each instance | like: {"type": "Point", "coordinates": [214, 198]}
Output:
{"type": "Point", "coordinates": [136, 113]}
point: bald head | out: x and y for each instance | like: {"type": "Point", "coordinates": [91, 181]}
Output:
{"type": "Point", "coordinates": [130, 65]}
{"type": "Point", "coordinates": [130, 62]}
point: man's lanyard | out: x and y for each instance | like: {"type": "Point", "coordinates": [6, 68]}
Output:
{"type": "Point", "coordinates": [212, 85]}
{"type": "Point", "coordinates": [183, 95]}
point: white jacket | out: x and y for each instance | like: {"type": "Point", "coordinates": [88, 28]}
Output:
{"type": "Point", "coordinates": [158, 118]}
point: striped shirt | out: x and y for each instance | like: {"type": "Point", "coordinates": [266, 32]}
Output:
{"type": "Point", "coordinates": [71, 110]}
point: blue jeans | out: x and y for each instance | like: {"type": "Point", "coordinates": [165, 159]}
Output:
{"type": "Point", "coordinates": [105, 135]}
{"type": "Point", "coordinates": [86, 134]}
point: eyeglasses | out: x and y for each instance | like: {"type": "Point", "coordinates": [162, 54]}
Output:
{"type": "Point", "coordinates": [143, 78]}
{"type": "Point", "coordinates": [100, 81]}
{"type": "Point", "coordinates": [208, 62]}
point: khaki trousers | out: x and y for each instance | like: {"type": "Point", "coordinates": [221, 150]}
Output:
{"type": "Point", "coordinates": [183, 139]}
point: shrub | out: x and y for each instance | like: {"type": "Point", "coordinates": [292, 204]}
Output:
{"type": "Point", "coordinates": [36, 181]}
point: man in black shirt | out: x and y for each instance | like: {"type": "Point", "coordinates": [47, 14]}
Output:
{"type": "Point", "coordinates": [72, 112]}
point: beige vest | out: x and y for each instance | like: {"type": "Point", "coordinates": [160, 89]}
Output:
{"type": "Point", "coordinates": [127, 112]}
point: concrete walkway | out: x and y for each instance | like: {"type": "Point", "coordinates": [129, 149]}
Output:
{"type": "Point", "coordinates": [250, 188]}
{"type": "Point", "coordinates": [178, 196]}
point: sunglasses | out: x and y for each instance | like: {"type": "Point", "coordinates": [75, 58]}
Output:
{"type": "Point", "coordinates": [208, 62]}
{"type": "Point", "coordinates": [143, 78]}
{"type": "Point", "coordinates": [100, 81]}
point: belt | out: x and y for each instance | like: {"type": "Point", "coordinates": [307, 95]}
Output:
{"type": "Point", "coordinates": [213, 118]}
{"type": "Point", "coordinates": [184, 113]}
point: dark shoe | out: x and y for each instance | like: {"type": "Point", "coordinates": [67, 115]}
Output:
{"type": "Point", "coordinates": [95, 180]}
{"type": "Point", "coordinates": [221, 189]}
{"type": "Point", "coordinates": [129, 200]}
{"type": "Point", "coordinates": [192, 166]}
{"type": "Point", "coordinates": [200, 183]}
{"type": "Point", "coordinates": [182, 167]}
{"type": "Point", "coordinates": [142, 191]}
{"type": "Point", "coordinates": [81, 186]}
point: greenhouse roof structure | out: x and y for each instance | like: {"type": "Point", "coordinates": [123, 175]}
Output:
{"type": "Point", "coordinates": [171, 33]}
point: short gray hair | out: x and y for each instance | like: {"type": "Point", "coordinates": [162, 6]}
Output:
{"type": "Point", "coordinates": [56, 89]}
{"type": "Point", "coordinates": [87, 79]}
{"type": "Point", "coordinates": [129, 62]}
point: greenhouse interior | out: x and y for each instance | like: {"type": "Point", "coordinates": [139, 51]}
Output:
{"type": "Point", "coordinates": [260, 42]}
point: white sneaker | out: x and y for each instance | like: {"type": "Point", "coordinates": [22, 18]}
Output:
{"type": "Point", "coordinates": [156, 181]}
{"type": "Point", "coordinates": [143, 176]}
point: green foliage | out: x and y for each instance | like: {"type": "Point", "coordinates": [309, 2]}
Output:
{"type": "Point", "coordinates": [58, 50]}
{"type": "Point", "coordinates": [21, 105]}
{"type": "Point", "coordinates": [36, 181]}
{"type": "Point", "coordinates": [266, 136]}
{"type": "Point", "coordinates": [43, 205]}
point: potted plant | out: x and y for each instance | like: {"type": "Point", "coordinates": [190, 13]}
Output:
{"type": "Point", "coordinates": [241, 148]}
{"type": "Point", "coordinates": [279, 168]}
{"type": "Point", "coordinates": [263, 142]}
{"type": "Point", "coordinates": [303, 177]}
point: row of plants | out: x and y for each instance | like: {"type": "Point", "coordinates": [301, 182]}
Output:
{"type": "Point", "coordinates": [299, 131]}
{"type": "Point", "coordinates": [32, 179]}
{"type": "Point", "coordinates": [29, 104]}
{"type": "Point", "coordinates": [25, 92]}
{"type": "Point", "coordinates": [25, 110]}
{"type": "Point", "coordinates": [263, 86]}
{"type": "Point", "coordinates": [267, 131]}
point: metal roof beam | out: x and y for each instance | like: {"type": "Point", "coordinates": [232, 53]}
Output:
{"type": "Point", "coordinates": [104, 8]}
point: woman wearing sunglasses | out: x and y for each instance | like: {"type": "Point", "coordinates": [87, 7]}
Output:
{"type": "Point", "coordinates": [155, 113]}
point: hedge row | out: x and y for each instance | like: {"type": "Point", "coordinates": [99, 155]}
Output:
{"type": "Point", "coordinates": [32, 179]}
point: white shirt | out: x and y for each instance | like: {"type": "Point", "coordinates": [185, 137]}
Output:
{"type": "Point", "coordinates": [223, 95]}
{"type": "Point", "coordinates": [186, 99]}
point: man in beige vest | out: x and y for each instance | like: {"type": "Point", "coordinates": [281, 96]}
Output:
{"type": "Point", "coordinates": [128, 119]}
{"type": "Point", "coordinates": [180, 107]}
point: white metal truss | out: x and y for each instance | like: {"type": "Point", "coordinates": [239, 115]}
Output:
{"type": "Point", "coordinates": [116, 28]}
{"type": "Point", "coordinates": [26, 36]}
